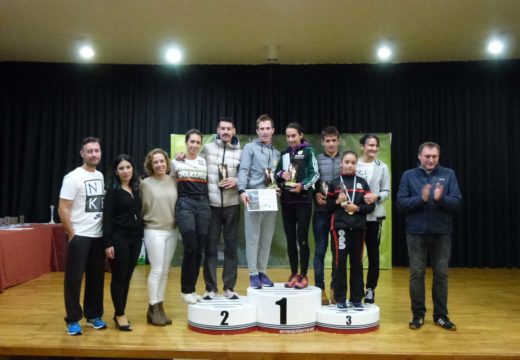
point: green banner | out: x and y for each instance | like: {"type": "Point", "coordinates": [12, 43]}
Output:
{"type": "Point", "coordinates": [279, 256]}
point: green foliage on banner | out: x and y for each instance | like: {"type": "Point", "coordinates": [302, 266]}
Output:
{"type": "Point", "coordinates": [278, 257]}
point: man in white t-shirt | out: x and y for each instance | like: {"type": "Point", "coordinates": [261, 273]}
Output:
{"type": "Point", "coordinates": [81, 213]}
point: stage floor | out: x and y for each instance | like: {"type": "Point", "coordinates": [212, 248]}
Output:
{"type": "Point", "coordinates": [484, 303]}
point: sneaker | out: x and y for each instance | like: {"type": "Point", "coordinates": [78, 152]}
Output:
{"type": "Point", "coordinates": [324, 298]}
{"type": "Point", "coordinates": [370, 296]}
{"type": "Point", "coordinates": [291, 281]}
{"type": "Point", "coordinates": [189, 298]}
{"type": "Point", "coordinates": [208, 295]}
{"type": "Point", "coordinates": [445, 323]}
{"type": "Point", "coordinates": [302, 282]}
{"type": "Point", "coordinates": [332, 299]}
{"type": "Point", "coordinates": [97, 323]}
{"type": "Point", "coordinates": [341, 305]}
{"type": "Point", "coordinates": [357, 304]}
{"type": "Point", "coordinates": [73, 328]}
{"type": "Point", "coordinates": [417, 322]}
{"type": "Point", "coordinates": [230, 294]}
{"type": "Point", "coordinates": [197, 296]}
{"type": "Point", "coordinates": [265, 280]}
{"type": "Point", "coordinates": [254, 281]}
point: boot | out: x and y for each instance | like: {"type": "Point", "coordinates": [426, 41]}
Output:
{"type": "Point", "coordinates": [324, 298]}
{"type": "Point", "coordinates": [332, 300]}
{"type": "Point", "coordinates": [154, 316]}
{"type": "Point", "coordinates": [167, 320]}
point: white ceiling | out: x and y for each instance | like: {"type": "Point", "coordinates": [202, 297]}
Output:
{"type": "Point", "coordinates": [240, 31]}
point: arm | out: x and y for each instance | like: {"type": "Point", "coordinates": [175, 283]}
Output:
{"type": "Point", "coordinates": [407, 198]}
{"type": "Point", "coordinates": [108, 218]}
{"type": "Point", "coordinates": [65, 210]}
{"type": "Point", "coordinates": [451, 198]}
{"type": "Point", "coordinates": [312, 171]}
{"type": "Point", "coordinates": [384, 184]}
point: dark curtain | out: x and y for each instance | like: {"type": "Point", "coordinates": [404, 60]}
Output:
{"type": "Point", "coordinates": [471, 109]}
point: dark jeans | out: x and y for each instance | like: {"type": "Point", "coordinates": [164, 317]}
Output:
{"type": "Point", "coordinates": [321, 228]}
{"type": "Point", "coordinates": [126, 251]}
{"type": "Point", "coordinates": [224, 220]}
{"type": "Point", "coordinates": [372, 242]}
{"type": "Point", "coordinates": [85, 255]}
{"type": "Point", "coordinates": [296, 220]}
{"type": "Point", "coordinates": [348, 243]}
{"type": "Point", "coordinates": [193, 217]}
{"type": "Point", "coordinates": [438, 247]}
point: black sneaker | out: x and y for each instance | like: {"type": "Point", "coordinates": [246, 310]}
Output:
{"type": "Point", "coordinates": [417, 322]}
{"type": "Point", "coordinates": [445, 323]}
{"type": "Point", "coordinates": [370, 296]}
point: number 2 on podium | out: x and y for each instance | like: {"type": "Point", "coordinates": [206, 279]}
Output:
{"type": "Point", "coordinates": [283, 310]}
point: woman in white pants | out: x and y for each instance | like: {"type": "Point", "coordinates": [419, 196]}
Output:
{"type": "Point", "coordinates": [159, 196]}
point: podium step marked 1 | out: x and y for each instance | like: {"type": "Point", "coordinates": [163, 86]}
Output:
{"type": "Point", "coordinates": [283, 310]}
{"type": "Point", "coordinates": [279, 310]}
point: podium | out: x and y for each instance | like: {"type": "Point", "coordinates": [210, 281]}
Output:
{"type": "Point", "coordinates": [222, 316]}
{"type": "Point", "coordinates": [285, 311]}
{"type": "Point", "coordinates": [279, 310]}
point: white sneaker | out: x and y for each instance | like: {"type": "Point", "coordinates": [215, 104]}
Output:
{"type": "Point", "coordinates": [209, 295]}
{"type": "Point", "coordinates": [189, 298]}
{"type": "Point", "coordinates": [197, 296]}
{"type": "Point", "coordinates": [230, 294]}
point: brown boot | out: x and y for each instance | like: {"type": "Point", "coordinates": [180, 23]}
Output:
{"type": "Point", "coordinates": [167, 320]}
{"type": "Point", "coordinates": [332, 300]}
{"type": "Point", "coordinates": [154, 316]}
{"type": "Point", "coordinates": [324, 298]}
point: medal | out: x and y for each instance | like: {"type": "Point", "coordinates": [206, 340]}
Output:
{"type": "Point", "coordinates": [350, 199]}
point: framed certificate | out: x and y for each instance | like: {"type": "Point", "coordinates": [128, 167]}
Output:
{"type": "Point", "coordinates": [262, 200]}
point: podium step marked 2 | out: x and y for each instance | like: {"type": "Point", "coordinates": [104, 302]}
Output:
{"type": "Point", "coordinates": [222, 316]}
{"type": "Point", "coordinates": [279, 310]}
{"type": "Point", "coordinates": [283, 310]}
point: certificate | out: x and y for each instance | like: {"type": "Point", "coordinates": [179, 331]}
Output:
{"type": "Point", "coordinates": [262, 200]}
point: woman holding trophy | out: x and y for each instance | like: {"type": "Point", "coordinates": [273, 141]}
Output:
{"type": "Point", "coordinates": [297, 173]}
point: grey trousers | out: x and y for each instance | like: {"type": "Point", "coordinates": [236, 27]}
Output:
{"type": "Point", "coordinates": [259, 229]}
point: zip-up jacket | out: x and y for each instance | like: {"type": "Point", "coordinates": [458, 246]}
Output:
{"type": "Point", "coordinates": [307, 173]}
{"type": "Point", "coordinates": [341, 219]}
{"type": "Point", "coordinates": [379, 185]}
{"type": "Point", "coordinates": [256, 157]}
{"type": "Point", "coordinates": [329, 169]}
{"type": "Point", "coordinates": [431, 217]}
{"type": "Point", "coordinates": [215, 153]}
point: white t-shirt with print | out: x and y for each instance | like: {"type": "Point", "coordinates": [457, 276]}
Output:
{"type": "Point", "coordinates": [87, 191]}
{"type": "Point", "coordinates": [365, 170]}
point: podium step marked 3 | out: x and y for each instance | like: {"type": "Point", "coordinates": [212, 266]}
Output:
{"type": "Point", "coordinates": [351, 320]}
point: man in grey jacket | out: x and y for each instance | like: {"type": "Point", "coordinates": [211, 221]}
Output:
{"type": "Point", "coordinates": [258, 159]}
{"type": "Point", "coordinates": [223, 160]}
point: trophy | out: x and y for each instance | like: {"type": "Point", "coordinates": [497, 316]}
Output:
{"type": "Point", "coordinates": [292, 170]}
{"type": "Point", "coordinates": [269, 180]}
{"type": "Point", "coordinates": [222, 174]}
{"type": "Point", "coordinates": [52, 215]}
{"type": "Point", "coordinates": [324, 188]}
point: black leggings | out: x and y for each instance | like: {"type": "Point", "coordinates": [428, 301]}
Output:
{"type": "Point", "coordinates": [296, 221]}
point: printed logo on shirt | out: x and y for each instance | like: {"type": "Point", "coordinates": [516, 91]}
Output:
{"type": "Point", "coordinates": [359, 186]}
{"type": "Point", "coordinates": [94, 196]}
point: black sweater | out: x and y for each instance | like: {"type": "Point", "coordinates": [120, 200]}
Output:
{"type": "Point", "coordinates": [340, 219]}
{"type": "Point", "coordinates": [121, 215]}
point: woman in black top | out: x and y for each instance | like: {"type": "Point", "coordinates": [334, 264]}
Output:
{"type": "Point", "coordinates": [122, 232]}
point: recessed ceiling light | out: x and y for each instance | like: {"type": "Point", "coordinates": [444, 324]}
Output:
{"type": "Point", "coordinates": [173, 55]}
{"type": "Point", "coordinates": [495, 47]}
{"type": "Point", "coordinates": [86, 52]}
{"type": "Point", "coordinates": [384, 53]}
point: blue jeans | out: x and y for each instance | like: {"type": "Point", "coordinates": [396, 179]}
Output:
{"type": "Point", "coordinates": [438, 247]}
{"type": "Point", "coordinates": [321, 229]}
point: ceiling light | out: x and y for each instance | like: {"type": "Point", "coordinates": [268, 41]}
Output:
{"type": "Point", "coordinates": [495, 47]}
{"type": "Point", "coordinates": [173, 55]}
{"type": "Point", "coordinates": [384, 53]}
{"type": "Point", "coordinates": [86, 52]}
